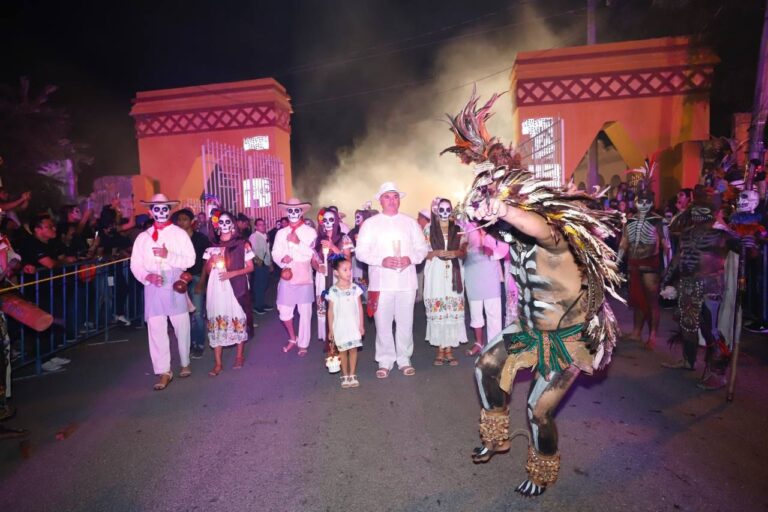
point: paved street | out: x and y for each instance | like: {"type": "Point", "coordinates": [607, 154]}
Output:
{"type": "Point", "coordinates": [280, 435]}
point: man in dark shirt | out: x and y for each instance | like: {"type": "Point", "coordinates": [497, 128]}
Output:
{"type": "Point", "coordinates": [183, 218]}
{"type": "Point", "coordinates": [40, 249]}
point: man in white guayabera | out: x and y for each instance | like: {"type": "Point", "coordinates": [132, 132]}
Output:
{"type": "Point", "coordinates": [293, 251]}
{"type": "Point", "coordinates": [392, 244]}
{"type": "Point", "coordinates": [160, 254]}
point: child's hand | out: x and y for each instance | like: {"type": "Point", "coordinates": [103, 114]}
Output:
{"type": "Point", "coordinates": [330, 335]}
{"type": "Point", "coordinates": [362, 331]}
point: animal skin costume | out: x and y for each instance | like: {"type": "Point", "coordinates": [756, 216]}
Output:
{"type": "Point", "coordinates": [699, 267]}
{"type": "Point", "coordinates": [566, 323]}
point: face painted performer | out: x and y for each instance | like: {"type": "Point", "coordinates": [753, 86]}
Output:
{"type": "Point", "coordinates": [444, 283]}
{"type": "Point", "coordinates": [698, 267]}
{"type": "Point", "coordinates": [562, 268]}
{"type": "Point", "coordinates": [160, 254]}
{"type": "Point", "coordinates": [228, 298]}
{"type": "Point", "coordinates": [330, 241]}
{"type": "Point", "coordinates": [293, 251]}
{"type": "Point", "coordinates": [645, 242]}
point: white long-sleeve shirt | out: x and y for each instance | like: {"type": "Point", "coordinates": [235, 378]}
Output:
{"type": "Point", "coordinates": [162, 300]}
{"type": "Point", "coordinates": [181, 253]}
{"type": "Point", "coordinates": [301, 252]}
{"type": "Point", "coordinates": [378, 239]}
{"type": "Point", "coordinates": [260, 247]}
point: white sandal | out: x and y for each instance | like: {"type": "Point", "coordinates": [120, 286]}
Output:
{"type": "Point", "coordinates": [353, 382]}
{"type": "Point", "coordinates": [345, 382]}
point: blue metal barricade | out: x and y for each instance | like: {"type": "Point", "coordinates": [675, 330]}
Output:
{"type": "Point", "coordinates": [85, 299]}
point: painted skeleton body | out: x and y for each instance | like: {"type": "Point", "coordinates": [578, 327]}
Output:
{"type": "Point", "coordinates": [563, 274]}
{"type": "Point", "coordinates": [700, 266]}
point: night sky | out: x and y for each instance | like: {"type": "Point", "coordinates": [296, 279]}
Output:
{"type": "Point", "coordinates": [338, 59]}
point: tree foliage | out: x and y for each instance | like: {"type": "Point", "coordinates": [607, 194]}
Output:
{"type": "Point", "coordinates": [33, 133]}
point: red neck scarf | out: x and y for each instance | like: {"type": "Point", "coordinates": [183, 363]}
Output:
{"type": "Point", "coordinates": [159, 227]}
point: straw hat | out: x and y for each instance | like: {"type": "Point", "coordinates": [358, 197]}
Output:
{"type": "Point", "coordinates": [293, 202]}
{"type": "Point", "coordinates": [159, 199]}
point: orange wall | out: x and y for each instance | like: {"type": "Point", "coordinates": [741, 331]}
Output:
{"type": "Point", "coordinates": [171, 158]}
{"type": "Point", "coordinates": [174, 161]}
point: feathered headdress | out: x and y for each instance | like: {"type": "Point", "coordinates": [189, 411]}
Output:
{"type": "Point", "coordinates": [570, 214]}
{"type": "Point", "coordinates": [468, 127]}
{"type": "Point", "coordinates": [642, 177]}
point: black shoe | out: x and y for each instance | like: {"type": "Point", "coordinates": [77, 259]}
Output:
{"type": "Point", "coordinates": [196, 353]}
{"type": "Point", "coordinates": [759, 327]}
{"type": "Point", "coordinates": [12, 433]}
{"type": "Point", "coordinates": [267, 308]}
{"type": "Point", "coordinates": [260, 311]}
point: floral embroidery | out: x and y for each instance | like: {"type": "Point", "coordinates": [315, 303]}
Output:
{"type": "Point", "coordinates": [225, 329]}
{"type": "Point", "coordinates": [445, 308]}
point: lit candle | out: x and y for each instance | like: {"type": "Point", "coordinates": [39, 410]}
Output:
{"type": "Point", "coordinates": [326, 250]}
{"type": "Point", "coordinates": [220, 263]}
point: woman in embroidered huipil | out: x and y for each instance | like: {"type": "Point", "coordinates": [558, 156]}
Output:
{"type": "Point", "coordinates": [228, 301]}
{"type": "Point", "coordinates": [444, 283]}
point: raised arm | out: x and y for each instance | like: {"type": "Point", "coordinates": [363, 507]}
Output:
{"type": "Point", "coordinates": [528, 223]}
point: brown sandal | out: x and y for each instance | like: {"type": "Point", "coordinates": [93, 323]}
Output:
{"type": "Point", "coordinates": [215, 372]}
{"type": "Point", "coordinates": [439, 357]}
{"type": "Point", "coordinates": [165, 379]}
{"type": "Point", "coordinates": [239, 362]}
{"type": "Point", "coordinates": [449, 359]}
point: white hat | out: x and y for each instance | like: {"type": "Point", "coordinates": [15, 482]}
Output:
{"type": "Point", "coordinates": [388, 186]}
{"type": "Point", "coordinates": [159, 199]}
{"type": "Point", "coordinates": [424, 213]}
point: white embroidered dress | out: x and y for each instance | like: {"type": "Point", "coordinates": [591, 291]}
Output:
{"type": "Point", "coordinates": [346, 316]}
{"type": "Point", "coordinates": [227, 324]}
{"type": "Point", "coordinates": [444, 306]}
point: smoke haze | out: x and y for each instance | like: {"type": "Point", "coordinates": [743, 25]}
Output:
{"type": "Point", "coordinates": [406, 130]}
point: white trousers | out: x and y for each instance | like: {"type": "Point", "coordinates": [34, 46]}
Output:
{"type": "Point", "coordinates": [492, 315]}
{"type": "Point", "coordinates": [160, 343]}
{"type": "Point", "coordinates": [394, 307]}
{"type": "Point", "coordinates": [305, 321]}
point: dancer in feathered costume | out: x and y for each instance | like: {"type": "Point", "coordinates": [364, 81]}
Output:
{"type": "Point", "coordinates": [562, 267]}
{"type": "Point", "coordinates": [646, 244]}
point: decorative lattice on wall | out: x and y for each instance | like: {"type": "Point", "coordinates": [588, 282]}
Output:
{"type": "Point", "coordinates": [613, 86]}
{"type": "Point", "coordinates": [212, 119]}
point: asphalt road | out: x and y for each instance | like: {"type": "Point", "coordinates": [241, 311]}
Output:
{"type": "Point", "coordinates": [280, 435]}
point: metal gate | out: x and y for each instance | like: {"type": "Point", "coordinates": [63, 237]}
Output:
{"type": "Point", "coordinates": [249, 182]}
{"type": "Point", "coordinates": [541, 148]}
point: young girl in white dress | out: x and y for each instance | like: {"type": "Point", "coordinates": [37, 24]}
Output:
{"type": "Point", "coordinates": [345, 319]}
{"type": "Point", "coordinates": [228, 265]}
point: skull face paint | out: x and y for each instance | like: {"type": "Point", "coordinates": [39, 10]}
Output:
{"type": "Point", "coordinates": [329, 219]}
{"type": "Point", "coordinates": [358, 219]}
{"type": "Point", "coordinates": [226, 225]}
{"type": "Point", "coordinates": [701, 214]}
{"type": "Point", "coordinates": [160, 212]}
{"type": "Point", "coordinates": [747, 201]}
{"type": "Point", "coordinates": [294, 214]}
{"type": "Point", "coordinates": [643, 205]}
{"type": "Point", "coordinates": [444, 210]}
